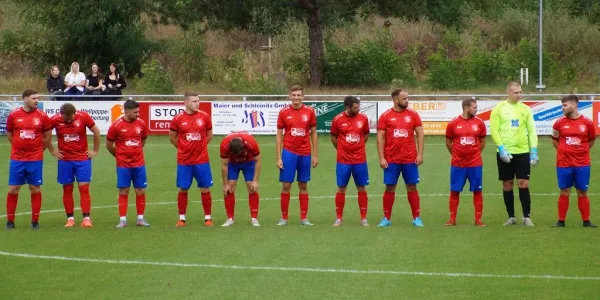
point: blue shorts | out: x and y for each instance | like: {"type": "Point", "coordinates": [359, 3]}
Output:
{"type": "Point", "coordinates": [21, 172]}
{"type": "Point", "coordinates": [578, 176]}
{"type": "Point", "coordinates": [247, 168]}
{"type": "Point", "coordinates": [69, 170]}
{"type": "Point", "coordinates": [292, 163]}
{"type": "Point", "coordinates": [410, 174]}
{"type": "Point", "coordinates": [459, 176]}
{"type": "Point", "coordinates": [187, 173]}
{"type": "Point", "coordinates": [360, 173]}
{"type": "Point", "coordinates": [136, 175]}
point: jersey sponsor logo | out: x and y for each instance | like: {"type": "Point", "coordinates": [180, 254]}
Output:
{"type": "Point", "coordinates": [467, 141]}
{"type": "Point", "coordinates": [407, 119]}
{"type": "Point", "coordinates": [132, 143]}
{"type": "Point", "coordinates": [514, 122]}
{"type": "Point", "coordinates": [400, 133]}
{"type": "Point", "coordinates": [475, 128]}
{"type": "Point", "coordinates": [582, 128]}
{"type": "Point", "coordinates": [193, 136]}
{"type": "Point", "coordinates": [27, 134]}
{"type": "Point", "coordinates": [298, 132]}
{"type": "Point", "coordinates": [573, 141]}
{"type": "Point", "coordinates": [71, 138]}
{"type": "Point", "coordinates": [352, 138]}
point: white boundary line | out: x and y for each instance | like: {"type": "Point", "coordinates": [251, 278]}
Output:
{"type": "Point", "coordinates": [268, 199]}
{"type": "Point", "coordinates": [296, 269]}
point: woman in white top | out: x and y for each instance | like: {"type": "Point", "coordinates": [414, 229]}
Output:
{"type": "Point", "coordinates": [75, 81]}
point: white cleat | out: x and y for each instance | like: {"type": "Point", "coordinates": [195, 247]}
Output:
{"type": "Point", "coordinates": [527, 222]}
{"type": "Point", "coordinates": [282, 222]}
{"type": "Point", "coordinates": [228, 223]}
{"type": "Point", "coordinates": [364, 223]}
{"type": "Point", "coordinates": [254, 222]}
{"type": "Point", "coordinates": [510, 221]}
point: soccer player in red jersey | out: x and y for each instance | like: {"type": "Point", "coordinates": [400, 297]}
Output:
{"type": "Point", "coordinates": [398, 154]}
{"type": "Point", "coordinates": [240, 152]}
{"type": "Point", "coordinates": [29, 132]}
{"type": "Point", "coordinates": [191, 131]}
{"type": "Point", "coordinates": [74, 158]}
{"type": "Point", "coordinates": [296, 128]}
{"type": "Point", "coordinates": [573, 136]}
{"type": "Point", "coordinates": [349, 133]}
{"type": "Point", "coordinates": [465, 139]}
{"type": "Point", "coordinates": [125, 141]}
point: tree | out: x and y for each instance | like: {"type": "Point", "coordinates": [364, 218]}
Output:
{"type": "Point", "coordinates": [104, 32]}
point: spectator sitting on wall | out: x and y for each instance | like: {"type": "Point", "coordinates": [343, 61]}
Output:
{"type": "Point", "coordinates": [94, 84]}
{"type": "Point", "coordinates": [75, 81]}
{"type": "Point", "coordinates": [55, 84]}
{"type": "Point", "coordinates": [114, 82]}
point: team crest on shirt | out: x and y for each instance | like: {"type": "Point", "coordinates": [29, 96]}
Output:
{"type": "Point", "coordinates": [36, 121]}
{"type": "Point", "coordinates": [582, 128]}
{"type": "Point", "coordinates": [76, 123]}
{"type": "Point", "coordinates": [138, 130]}
{"type": "Point", "coordinates": [475, 127]}
{"type": "Point", "coordinates": [304, 118]}
{"type": "Point", "coordinates": [359, 124]}
{"type": "Point", "coordinates": [407, 119]}
{"type": "Point", "coordinates": [199, 122]}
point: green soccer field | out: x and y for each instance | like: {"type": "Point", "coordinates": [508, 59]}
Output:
{"type": "Point", "coordinates": [294, 262]}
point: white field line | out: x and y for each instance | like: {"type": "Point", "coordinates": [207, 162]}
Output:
{"type": "Point", "coordinates": [296, 269]}
{"type": "Point", "coordinates": [271, 199]}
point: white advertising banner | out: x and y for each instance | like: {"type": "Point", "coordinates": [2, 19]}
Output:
{"type": "Point", "coordinates": [103, 112]}
{"type": "Point", "coordinates": [256, 117]}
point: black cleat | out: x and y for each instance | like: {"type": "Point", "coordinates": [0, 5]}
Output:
{"type": "Point", "coordinates": [10, 225]}
{"type": "Point", "coordinates": [589, 224]}
{"type": "Point", "coordinates": [35, 225]}
{"type": "Point", "coordinates": [559, 224]}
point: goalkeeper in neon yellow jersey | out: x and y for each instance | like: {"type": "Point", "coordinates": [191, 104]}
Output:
{"type": "Point", "coordinates": [513, 132]}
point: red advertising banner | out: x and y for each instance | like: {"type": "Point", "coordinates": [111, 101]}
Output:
{"type": "Point", "coordinates": [158, 115]}
{"type": "Point", "coordinates": [596, 116]}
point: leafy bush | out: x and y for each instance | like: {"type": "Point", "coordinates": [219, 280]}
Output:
{"type": "Point", "coordinates": [187, 56]}
{"type": "Point", "coordinates": [154, 79]}
{"type": "Point", "coordinates": [445, 73]}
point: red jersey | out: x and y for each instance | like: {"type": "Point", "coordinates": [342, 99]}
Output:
{"type": "Point", "coordinates": [128, 138]}
{"type": "Point", "coordinates": [296, 125]}
{"type": "Point", "coordinates": [28, 134]}
{"type": "Point", "coordinates": [249, 151]}
{"type": "Point", "coordinates": [350, 132]}
{"type": "Point", "coordinates": [574, 137]}
{"type": "Point", "coordinates": [399, 127]}
{"type": "Point", "coordinates": [466, 146]}
{"type": "Point", "coordinates": [72, 137]}
{"type": "Point", "coordinates": [192, 131]}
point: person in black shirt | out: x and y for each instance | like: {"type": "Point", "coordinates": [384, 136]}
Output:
{"type": "Point", "coordinates": [55, 83]}
{"type": "Point", "coordinates": [114, 83]}
{"type": "Point", "coordinates": [94, 83]}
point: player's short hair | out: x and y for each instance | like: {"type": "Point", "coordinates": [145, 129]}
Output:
{"type": "Point", "coordinates": [512, 84]}
{"type": "Point", "coordinates": [130, 104]}
{"type": "Point", "coordinates": [29, 92]}
{"type": "Point", "coordinates": [236, 145]}
{"type": "Point", "coordinates": [67, 109]}
{"type": "Point", "coordinates": [397, 92]}
{"type": "Point", "coordinates": [190, 94]}
{"type": "Point", "coordinates": [296, 88]}
{"type": "Point", "coordinates": [570, 98]}
{"type": "Point", "coordinates": [468, 102]}
{"type": "Point", "coordinates": [350, 100]}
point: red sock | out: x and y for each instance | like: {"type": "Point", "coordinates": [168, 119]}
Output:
{"type": "Point", "coordinates": [253, 203]}
{"type": "Point", "coordinates": [182, 202]}
{"type": "Point", "coordinates": [206, 203]}
{"type": "Point", "coordinates": [68, 201]}
{"type": "Point", "coordinates": [340, 200]}
{"type": "Point", "coordinates": [85, 199]}
{"type": "Point", "coordinates": [303, 205]}
{"type": "Point", "coordinates": [584, 207]}
{"type": "Point", "coordinates": [123, 205]}
{"type": "Point", "coordinates": [415, 203]}
{"type": "Point", "coordinates": [478, 203]}
{"type": "Point", "coordinates": [363, 203]}
{"type": "Point", "coordinates": [563, 207]}
{"type": "Point", "coordinates": [140, 204]}
{"type": "Point", "coordinates": [230, 205]}
{"type": "Point", "coordinates": [388, 203]}
{"type": "Point", "coordinates": [11, 206]}
{"type": "Point", "coordinates": [453, 204]}
{"type": "Point", "coordinates": [36, 206]}
{"type": "Point", "coordinates": [285, 205]}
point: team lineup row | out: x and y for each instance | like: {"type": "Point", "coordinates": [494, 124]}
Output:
{"type": "Point", "coordinates": [400, 145]}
